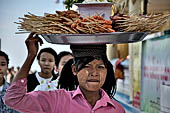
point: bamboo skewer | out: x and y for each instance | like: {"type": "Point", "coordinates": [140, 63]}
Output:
{"type": "Point", "coordinates": [61, 23]}
{"type": "Point", "coordinates": [147, 23]}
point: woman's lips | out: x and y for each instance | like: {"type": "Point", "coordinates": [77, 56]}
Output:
{"type": "Point", "coordinates": [93, 80]}
{"type": "Point", "coordinates": [47, 68]}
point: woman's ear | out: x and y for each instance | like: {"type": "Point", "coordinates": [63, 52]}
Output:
{"type": "Point", "coordinates": [74, 70]}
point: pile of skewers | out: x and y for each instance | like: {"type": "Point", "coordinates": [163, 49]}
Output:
{"type": "Point", "coordinates": [64, 22]}
{"type": "Point", "coordinates": [143, 23]}
{"type": "Point", "coordinates": [70, 22]}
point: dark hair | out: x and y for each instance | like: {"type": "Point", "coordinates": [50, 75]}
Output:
{"type": "Point", "coordinates": [18, 67]}
{"type": "Point", "coordinates": [67, 79]}
{"type": "Point", "coordinates": [69, 82]}
{"type": "Point", "coordinates": [62, 54]}
{"type": "Point", "coordinates": [48, 50]}
{"type": "Point", "coordinates": [5, 55]}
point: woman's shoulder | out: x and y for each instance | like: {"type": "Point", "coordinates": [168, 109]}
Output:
{"type": "Point", "coordinates": [117, 105]}
{"type": "Point", "coordinates": [60, 95]}
{"type": "Point", "coordinates": [32, 75]}
{"type": "Point", "coordinates": [58, 92]}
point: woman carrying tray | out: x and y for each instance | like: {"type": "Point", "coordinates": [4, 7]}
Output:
{"type": "Point", "coordinates": [89, 97]}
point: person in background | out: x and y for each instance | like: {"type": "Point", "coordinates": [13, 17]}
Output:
{"type": "Point", "coordinates": [47, 58]}
{"type": "Point", "coordinates": [92, 70]}
{"type": "Point", "coordinates": [13, 70]}
{"type": "Point", "coordinates": [9, 76]}
{"type": "Point", "coordinates": [63, 57]}
{"type": "Point", "coordinates": [67, 79]}
{"type": "Point", "coordinates": [18, 68]}
{"type": "Point", "coordinates": [4, 61]}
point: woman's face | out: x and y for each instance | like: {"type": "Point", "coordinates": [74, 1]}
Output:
{"type": "Point", "coordinates": [46, 62]}
{"type": "Point", "coordinates": [63, 61]}
{"type": "Point", "coordinates": [92, 76]}
{"type": "Point", "coordinates": [3, 67]}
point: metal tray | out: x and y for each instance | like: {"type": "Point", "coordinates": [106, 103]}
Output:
{"type": "Point", "coordinates": [101, 38]}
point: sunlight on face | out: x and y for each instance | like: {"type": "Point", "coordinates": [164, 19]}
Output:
{"type": "Point", "coordinates": [92, 76]}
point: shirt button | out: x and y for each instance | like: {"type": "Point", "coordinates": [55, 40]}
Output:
{"type": "Point", "coordinates": [22, 81]}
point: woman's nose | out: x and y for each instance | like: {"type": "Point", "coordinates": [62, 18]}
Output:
{"type": "Point", "coordinates": [46, 63]}
{"type": "Point", "coordinates": [94, 71]}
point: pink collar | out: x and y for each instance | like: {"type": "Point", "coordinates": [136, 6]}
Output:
{"type": "Point", "coordinates": [104, 101]}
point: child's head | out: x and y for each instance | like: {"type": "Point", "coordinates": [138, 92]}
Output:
{"type": "Point", "coordinates": [47, 59]}
{"type": "Point", "coordinates": [90, 64]}
{"type": "Point", "coordinates": [50, 51]}
{"type": "Point", "coordinates": [94, 59]}
{"type": "Point", "coordinates": [4, 61]}
{"type": "Point", "coordinates": [63, 57]}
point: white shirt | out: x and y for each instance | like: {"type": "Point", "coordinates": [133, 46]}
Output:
{"type": "Point", "coordinates": [1, 87]}
{"type": "Point", "coordinates": [46, 84]}
{"type": "Point", "coordinates": [40, 79]}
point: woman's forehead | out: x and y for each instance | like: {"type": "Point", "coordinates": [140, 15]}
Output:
{"type": "Point", "coordinates": [96, 61]}
{"type": "Point", "coordinates": [2, 59]}
{"type": "Point", "coordinates": [45, 54]}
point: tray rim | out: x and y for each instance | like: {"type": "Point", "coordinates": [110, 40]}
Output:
{"type": "Point", "coordinates": [95, 36]}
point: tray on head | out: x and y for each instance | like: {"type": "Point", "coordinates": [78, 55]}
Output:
{"type": "Point", "coordinates": [101, 38]}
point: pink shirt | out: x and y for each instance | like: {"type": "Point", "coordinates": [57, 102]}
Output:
{"type": "Point", "coordinates": [58, 101]}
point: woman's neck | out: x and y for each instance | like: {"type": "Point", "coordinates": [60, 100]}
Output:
{"type": "Point", "coordinates": [44, 75]}
{"type": "Point", "coordinates": [91, 96]}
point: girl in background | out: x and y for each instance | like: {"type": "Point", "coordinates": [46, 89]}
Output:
{"type": "Point", "coordinates": [4, 61]}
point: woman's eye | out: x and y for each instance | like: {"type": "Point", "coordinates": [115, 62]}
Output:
{"type": "Point", "coordinates": [50, 60]}
{"type": "Point", "coordinates": [86, 66]}
{"type": "Point", "coordinates": [101, 67]}
{"type": "Point", "coordinates": [43, 60]}
{"type": "Point", "coordinates": [3, 64]}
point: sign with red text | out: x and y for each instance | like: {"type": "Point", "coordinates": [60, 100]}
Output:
{"type": "Point", "coordinates": [155, 71]}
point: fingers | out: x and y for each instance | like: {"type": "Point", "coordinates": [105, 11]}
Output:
{"type": "Point", "coordinates": [31, 35]}
{"type": "Point", "coordinates": [32, 38]}
{"type": "Point", "coordinates": [41, 42]}
{"type": "Point", "coordinates": [38, 39]}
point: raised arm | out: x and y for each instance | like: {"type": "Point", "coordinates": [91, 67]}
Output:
{"type": "Point", "coordinates": [32, 43]}
{"type": "Point", "coordinates": [16, 95]}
